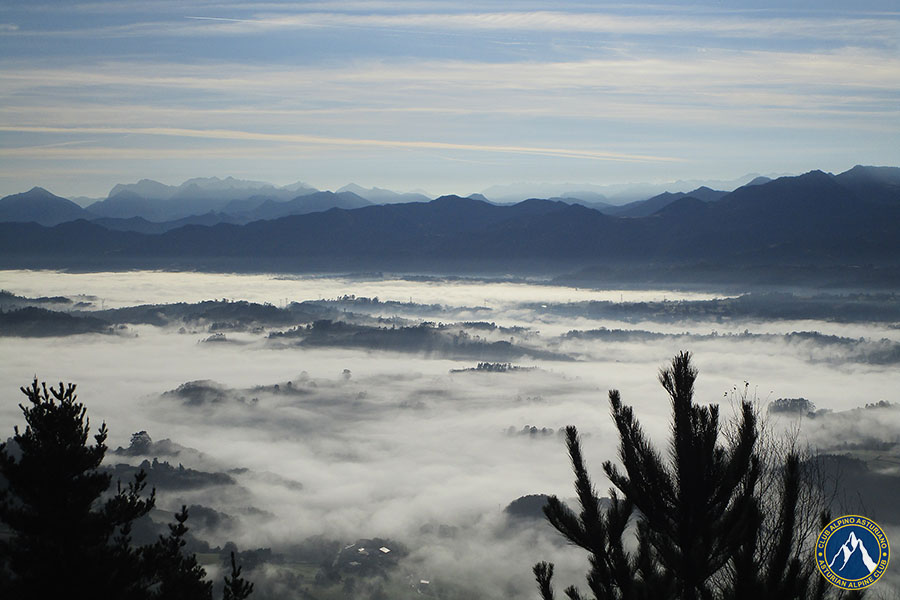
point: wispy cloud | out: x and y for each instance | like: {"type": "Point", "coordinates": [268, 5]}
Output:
{"type": "Point", "coordinates": [639, 22]}
{"type": "Point", "coordinates": [714, 24]}
{"type": "Point", "coordinates": [854, 83]}
{"type": "Point", "coordinates": [293, 138]}
{"type": "Point", "coordinates": [567, 84]}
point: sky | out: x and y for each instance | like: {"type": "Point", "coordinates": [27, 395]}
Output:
{"type": "Point", "coordinates": [442, 97]}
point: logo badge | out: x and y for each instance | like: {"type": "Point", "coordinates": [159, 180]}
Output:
{"type": "Point", "coordinates": [852, 552]}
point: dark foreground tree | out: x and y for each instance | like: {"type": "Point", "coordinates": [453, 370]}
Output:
{"type": "Point", "coordinates": [715, 519]}
{"type": "Point", "coordinates": [68, 541]}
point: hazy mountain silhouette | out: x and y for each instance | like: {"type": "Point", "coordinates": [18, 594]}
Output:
{"type": "Point", "coordinates": [381, 196]}
{"type": "Point", "coordinates": [146, 188]}
{"type": "Point", "coordinates": [39, 206]}
{"type": "Point", "coordinates": [158, 202]}
{"type": "Point", "coordinates": [809, 219]}
{"type": "Point", "coordinates": [613, 194]}
{"type": "Point", "coordinates": [84, 201]}
{"type": "Point", "coordinates": [240, 212]}
{"type": "Point", "coordinates": [301, 205]}
{"type": "Point", "coordinates": [596, 204]}
{"type": "Point", "coordinates": [645, 208]}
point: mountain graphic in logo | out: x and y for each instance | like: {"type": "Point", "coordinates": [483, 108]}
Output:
{"type": "Point", "coordinates": [852, 552]}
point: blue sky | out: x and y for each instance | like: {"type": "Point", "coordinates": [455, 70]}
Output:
{"type": "Point", "coordinates": [448, 97]}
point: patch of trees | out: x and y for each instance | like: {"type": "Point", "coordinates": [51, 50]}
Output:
{"type": "Point", "coordinates": [224, 314]}
{"type": "Point", "coordinates": [772, 306]}
{"type": "Point", "coordinates": [724, 514]}
{"type": "Point", "coordinates": [202, 392]}
{"type": "Point", "coordinates": [142, 444]}
{"type": "Point", "coordinates": [10, 300]}
{"type": "Point", "coordinates": [426, 337]}
{"type": "Point", "coordinates": [800, 406]}
{"type": "Point", "coordinates": [493, 367]}
{"type": "Point", "coordinates": [67, 539]}
{"type": "Point", "coordinates": [527, 507]}
{"type": "Point", "coordinates": [534, 431]}
{"type": "Point", "coordinates": [32, 321]}
{"type": "Point", "coordinates": [861, 350]}
{"type": "Point", "coordinates": [162, 475]}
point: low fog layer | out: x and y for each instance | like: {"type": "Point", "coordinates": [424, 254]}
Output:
{"type": "Point", "coordinates": [281, 440]}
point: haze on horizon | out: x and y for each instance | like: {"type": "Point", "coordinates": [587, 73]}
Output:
{"type": "Point", "coordinates": [449, 98]}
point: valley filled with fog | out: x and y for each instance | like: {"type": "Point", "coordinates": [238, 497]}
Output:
{"type": "Point", "coordinates": [308, 418]}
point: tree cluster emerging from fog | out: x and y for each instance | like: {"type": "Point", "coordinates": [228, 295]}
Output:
{"type": "Point", "coordinates": [68, 540]}
{"type": "Point", "coordinates": [712, 520]}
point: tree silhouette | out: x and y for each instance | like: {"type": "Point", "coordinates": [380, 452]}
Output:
{"type": "Point", "coordinates": [705, 528]}
{"type": "Point", "coordinates": [177, 576]}
{"type": "Point", "coordinates": [68, 540]}
{"type": "Point", "coordinates": [62, 533]}
{"type": "Point", "coordinates": [236, 588]}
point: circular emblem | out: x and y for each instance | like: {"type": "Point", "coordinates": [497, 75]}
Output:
{"type": "Point", "coordinates": [852, 552]}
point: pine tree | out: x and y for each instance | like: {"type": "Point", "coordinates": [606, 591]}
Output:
{"type": "Point", "coordinates": [177, 576]}
{"type": "Point", "coordinates": [236, 587]}
{"type": "Point", "coordinates": [62, 533]}
{"type": "Point", "coordinates": [706, 529]}
{"type": "Point", "coordinates": [70, 542]}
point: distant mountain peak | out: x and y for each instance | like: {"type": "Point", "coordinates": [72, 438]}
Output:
{"type": "Point", "coordinates": [229, 182]}
{"type": "Point", "coordinates": [454, 199]}
{"type": "Point", "coordinates": [147, 188]}
{"type": "Point", "coordinates": [881, 174]}
{"type": "Point", "coordinates": [378, 195]}
{"type": "Point", "coordinates": [299, 186]}
{"type": "Point", "coordinates": [38, 190]}
{"type": "Point", "coordinates": [352, 187]}
{"type": "Point", "coordinates": [39, 206]}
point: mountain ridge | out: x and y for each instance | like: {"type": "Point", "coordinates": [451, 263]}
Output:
{"type": "Point", "coordinates": [40, 206]}
{"type": "Point", "coordinates": [810, 219]}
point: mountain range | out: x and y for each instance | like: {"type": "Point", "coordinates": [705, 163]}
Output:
{"type": "Point", "coordinates": [612, 194]}
{"type": "Point", "coordinates": [149, 206]}
{"type": "Point", "coordinates": [850, 219]}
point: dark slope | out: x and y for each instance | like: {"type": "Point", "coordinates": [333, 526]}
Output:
{"type": "Point", "coordinates": [39, 206]}
{"type": "Point", "coordinates": [415, 229]}
{"type": "Point", "coordinates": [809, 216]}
{"type": "Point", "coordinates": [141, 225]}
{"type": "Point", "coordinates": [873, 184]}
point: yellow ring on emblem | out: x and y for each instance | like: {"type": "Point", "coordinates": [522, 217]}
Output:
{"type": "Point", "coordinates": [884, 551]}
